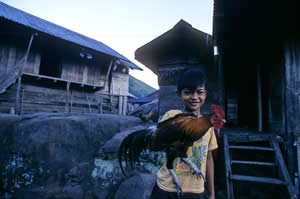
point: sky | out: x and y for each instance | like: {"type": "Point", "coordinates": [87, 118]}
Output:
{"type": "Point", "coordinates": [123, 25]}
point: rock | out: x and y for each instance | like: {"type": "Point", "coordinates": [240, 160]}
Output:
{"type": "Point", "coordinates": [74, 192]}
{"type": "Point", "coordinates": [148, 111]}
{"type": "Point", "coordinates": [51, 155]}
{"type": "Point", "coordinates": [137, 187]}
{"type": "Point", "coordinates": [112, 146]}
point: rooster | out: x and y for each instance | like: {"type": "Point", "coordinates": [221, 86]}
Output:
{"type": "Point", "coordinates": [172, 136]}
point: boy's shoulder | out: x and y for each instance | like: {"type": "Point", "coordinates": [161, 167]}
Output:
{"type": "Point", "coordinates": [169, 114]}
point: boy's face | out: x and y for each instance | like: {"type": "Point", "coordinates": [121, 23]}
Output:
{"type": "Point", "coordinates": [193, 99]}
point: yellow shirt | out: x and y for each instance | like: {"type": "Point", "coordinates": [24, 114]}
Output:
{"type": "Point", "coordinates": [197, 154]}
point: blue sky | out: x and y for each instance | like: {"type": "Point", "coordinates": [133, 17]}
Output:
{"type": "Point", "coordinates": [124, 25]}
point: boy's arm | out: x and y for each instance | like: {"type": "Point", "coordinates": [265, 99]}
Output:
{"type": "Point", "coordinates": [210, 176]}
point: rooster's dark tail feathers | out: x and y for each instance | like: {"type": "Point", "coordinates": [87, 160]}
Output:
{"type": "Point", "coordinates": [133, 145]}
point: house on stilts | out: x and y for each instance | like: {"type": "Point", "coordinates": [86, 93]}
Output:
{"type": "Point", "coordinates": [47, 68]}
{"type": "Point", "coordinates": [258, 61]}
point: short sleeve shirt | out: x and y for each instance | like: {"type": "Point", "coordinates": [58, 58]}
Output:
{"type": "Point", "coordinates": [197, 153]}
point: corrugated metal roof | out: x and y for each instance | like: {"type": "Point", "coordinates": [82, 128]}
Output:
{"type": "Point", "coordinates": [18, 16]}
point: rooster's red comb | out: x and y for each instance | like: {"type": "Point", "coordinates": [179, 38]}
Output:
{"type": "Point", "coordinates": [217, 110]}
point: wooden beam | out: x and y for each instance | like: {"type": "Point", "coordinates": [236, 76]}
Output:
{"type": "Point", "coordinates": [291, 97]}
{"type": "Point", "coordinates": [258, 179]}
{"type": "Point", "coordinates": [67, 97]}
{"type": "Point", "coordinates": [124, 105]}
{"type": "Point", "coordinates": [120, 107]}
{"type": "Point", "coordinates": [259, 97]}
{"type": "Point", "coordinates": [101, 105]}
{"type": "Point", "coordinates": [253, 163]}
{"type": "Point", "coordinates": [38, 77]}
{"type": "Point", "coordinates": [71, 105]}
{"type": "Point", "coordinates": [298, 161]}
{"type": "Point", "coordinates": [22, 99]}
{"type": "Point", "coordinates": [251, 148]}
{"type": "Point", "coordinates": [18, 95]}
{"type": "Point", "coordinates": [111, 97]}
{"type": "Point", "coordinates": [221, 92]}
{"type": "Point", "coordinates": [89, 104]}
{"type": "Point", "coordinates": [230, 193]}
{"type": "Point", "coordinates": [282, 167]}
{"type": "Point", "coordinates": [20, 74]}
{"type": "Point", "coordinates": [108, 72]}
{"type": "Point", "coordinates": [27, 52]}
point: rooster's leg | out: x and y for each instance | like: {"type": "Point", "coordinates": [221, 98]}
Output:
{"type": "Point", "coordinates": [195, 169]}
{"type": "Point", "coordinates": [178, 185]}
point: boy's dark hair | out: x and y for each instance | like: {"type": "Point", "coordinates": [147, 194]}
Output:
{"type": "Point", "coordinates": [191, 79]}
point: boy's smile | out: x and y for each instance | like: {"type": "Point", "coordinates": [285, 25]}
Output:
{"type": "Point", "coordinates": [193, 99]}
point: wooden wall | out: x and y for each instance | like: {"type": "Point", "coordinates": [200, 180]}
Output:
{"type": "Point", "coordinates": [120, 82]}
{"type": "Point", "coordinates": [34, 98]}
{"type": "Point", "coordinates": [10, 56]}
{"type": "Point", "coordinates": [84, 73]}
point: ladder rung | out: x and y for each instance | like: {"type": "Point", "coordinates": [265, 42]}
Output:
{"type": "Point", "coordinates": [258, 179]}
{"type": "Point", "coordinates": [253, 162]}
{"type": "Point", "coordinates": [251, 148]}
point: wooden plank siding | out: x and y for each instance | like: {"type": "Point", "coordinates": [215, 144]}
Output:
{"type": "Point", "coordinates": [42, 99]}
{"type": "Point", "coordinates": [84, 73]}
{"type": "Point", "coordinates": [10, 56]}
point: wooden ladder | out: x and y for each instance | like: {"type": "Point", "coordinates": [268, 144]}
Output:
{"type": "Point", "coordinates": [279, 163]}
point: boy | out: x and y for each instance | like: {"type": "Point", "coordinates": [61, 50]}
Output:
{"type": "Point", "coordinates": [192, 93]}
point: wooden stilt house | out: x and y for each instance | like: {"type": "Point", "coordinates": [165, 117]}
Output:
{"type": "Point", "coordinates": [258, 56]}
{"type": "Point", "coordinates": [47, 68]}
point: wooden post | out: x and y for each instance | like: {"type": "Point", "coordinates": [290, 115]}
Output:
{"type": "Point", "coordinates": [17, 104]}
{"type": "Point", "coordinates": [124, 105]}
{"type": "Point", "coordinates": [67, 97]}
{"type": "Point", "coordinates": [18, 95]}
{"type": "Point", "coordinates": [111, 97]}
{"type": "Point", "coordinates": [22, 98]}
{"type": "Point", "coordinates": [71, 104]}
{"type": "Point", "coordinates": [120, 105]}
{"type": "Point", "coordinates": [221, 92]}
{"type": "Point", "coordinates": [283, 169]}
{"type": "Point", "coordinates": [101, 105]}
{"type": "Point", "coordinates": [108, 72]}
{"type": "Point", "coordinates": [259, 97]}
{"type": "Point", "coordinates": [230, 191]}
{"type": "Point", "coordinates": [89, 104]}
{"type": "Point", "coordinates": [27, 52]}
{"type": "Point", "coordinates": [298, 161]}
